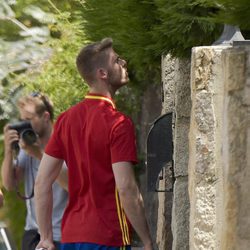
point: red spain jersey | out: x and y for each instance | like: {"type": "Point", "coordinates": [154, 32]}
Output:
{"type": "Point", "coordinates": [90, 137]}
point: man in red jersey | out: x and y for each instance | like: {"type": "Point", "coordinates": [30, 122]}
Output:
{"type": "Point", "coordinates": [97, 142]}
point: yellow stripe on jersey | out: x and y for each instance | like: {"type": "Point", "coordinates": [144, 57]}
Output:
{"type": "Point", "coordinates": [122, 220]}
{"type": "Point", "coordinates": [119, 215]}
{"type": "Point", "coordinates": [96, 97]}
{"type": "Point", "coordinates": [126, 227]}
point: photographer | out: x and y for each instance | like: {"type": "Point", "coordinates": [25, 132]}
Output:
{"type": "Point", "coordinates": [38, 110]}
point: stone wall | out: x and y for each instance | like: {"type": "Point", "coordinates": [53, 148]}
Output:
{"type": "Point", "coordinates": [176, 92]}
{"type": "Point", "coordinates": [236, 149]}
{"type": "Point", "coordinates": [164, 233]}
{"type": "Point", "coordinates": [205, 173]}
{"type": "Point", "coordinates": [180, 219]}
{"type": "Point", "coordinates": [211, 128]}
{"type": "Point", "coordinates": [219, 149]}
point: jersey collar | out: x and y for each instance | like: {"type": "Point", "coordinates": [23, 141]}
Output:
{"type": "Point", "coordinates": [100, 97]}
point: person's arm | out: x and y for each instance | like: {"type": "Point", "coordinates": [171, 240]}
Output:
{"type": "Point", "coordinates": [10, 175]}
{"type": "Point", "coordinates": [132, 201]}
{"type": "Point", "coordinates": [49, 169]}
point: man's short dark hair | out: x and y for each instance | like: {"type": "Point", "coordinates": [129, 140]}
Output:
{"type": "Point", "coordinates": [92, 57]}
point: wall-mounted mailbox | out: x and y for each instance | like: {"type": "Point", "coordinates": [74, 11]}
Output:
{"type": "Point", "coordinates": [160, 151]}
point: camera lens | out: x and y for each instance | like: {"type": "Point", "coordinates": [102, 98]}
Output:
{"type": "Point", "coordinates": [29, 136]}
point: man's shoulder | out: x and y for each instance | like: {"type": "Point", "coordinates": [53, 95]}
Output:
{"type": "Point", "coordinates": [68, 112]}
{"type": "Point", "coordinates": [122, 119]}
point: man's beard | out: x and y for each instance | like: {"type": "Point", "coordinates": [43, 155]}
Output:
{"type": "Point", "coordinates": [115, 80]}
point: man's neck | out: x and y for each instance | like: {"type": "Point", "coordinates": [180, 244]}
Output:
{"type": "Point", "coordinates": [102, 92]}
{"type": "Point", "coordinates": [102, 88]}
{"type": "Point", "coordinates": [47, 133]}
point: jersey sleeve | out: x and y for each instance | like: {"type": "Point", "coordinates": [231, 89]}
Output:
{"type": "Point", "coordinates": [123, 142]}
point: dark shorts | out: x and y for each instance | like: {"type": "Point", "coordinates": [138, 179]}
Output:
{"type": "Point", "coordinates": [31, 238]}
{"type": "Point", "coordinates": [90, 246]}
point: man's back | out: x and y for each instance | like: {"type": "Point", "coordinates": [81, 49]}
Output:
{"type": "Point", "coordinates": [90, 137]}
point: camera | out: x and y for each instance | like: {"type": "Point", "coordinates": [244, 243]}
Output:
{"type": "Point", "coordinates": [25, 131]}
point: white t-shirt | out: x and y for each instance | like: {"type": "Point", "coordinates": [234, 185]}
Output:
{"type": "Point", "coordinates": [60, 196]}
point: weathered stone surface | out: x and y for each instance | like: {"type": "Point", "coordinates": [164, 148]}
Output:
{"type": "Point", "coordinates": [182, 117]}
{"type": "Point", "coordinates": [164, 234]}
{"type": "Point", "coordinates": [205, 145]}
{"type": "Point", "coordinates": [182, 89]}
{"type": "Point", "coordinates": [219, 161]}
{"type": "Point", "coordinates": [219, 150]}
{"type": "Point", "coordinates": [176, 86]}
{"type": "Point", "coordinates": [236, 151]}
{"type": "Point", "coordinates": [168, 83]}
{"type": "Point", "coordinates": [235, 63]}
{"type": "Point", "coordinates": [182, 110]}
{"type": "Point", "coordinates": [180, 218]}
{"type": "Point", "coordinates": [204, 218]}
{"type": "Point", "coordinates": [202, 68]}
{"type": "Point", "coordinates": [181, 147]}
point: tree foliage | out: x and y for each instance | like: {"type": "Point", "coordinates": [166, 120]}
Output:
{"type": "Point", "coordinates": [233, 12]}
{"type": "Point", "coordinates": [45, 64]}
{"type": "Point", "coordinates": [128, 23]}
{"type": "Point", "coordinates": [29, 63]}
{"type": "Point", "coordinates": [183, 25]}
{"type": "Point", "coordinates": [58, 76]}
{"type": "Point", "coordinates": [145, 29]}
{"type": "Point", "coordinates": [19, 49]}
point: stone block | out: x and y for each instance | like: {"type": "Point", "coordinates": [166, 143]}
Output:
{"type": "Point", "coordinates": [168, 83]}
{"type": "Point", "coordinates": [182, 89]}
{"type": "Point", "coordinates": [180, 218]}
{"type": "Point", "coordinates": [181, 149]}
{"type": "Point", "coordinates": [235, 68]}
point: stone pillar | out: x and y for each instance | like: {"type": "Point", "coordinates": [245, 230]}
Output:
{"type": "Point", "coordinates": [236, 149]}
{"type": "Point", "coordinates": [176, 92]}
{"type": "Point", "coordinates": [219, 170]}
{"type": "Point", "coordinates": [164, 234]}
{"type": "Point", "coordinates": [205, 164]}
{"type": "Point", "coordinates": [180, 212]}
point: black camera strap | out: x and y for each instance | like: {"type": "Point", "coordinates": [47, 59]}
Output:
{"type": "Point", "coordinates": [19, 194]}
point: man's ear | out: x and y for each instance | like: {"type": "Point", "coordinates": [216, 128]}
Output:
{"type": "Point", "coordinates": [46, 115]}
{"type": "Point", "coordinates": [102, 73]}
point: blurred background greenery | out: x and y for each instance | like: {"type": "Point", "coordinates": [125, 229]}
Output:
{"type": "Point", "coordinates": [39, 41]}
